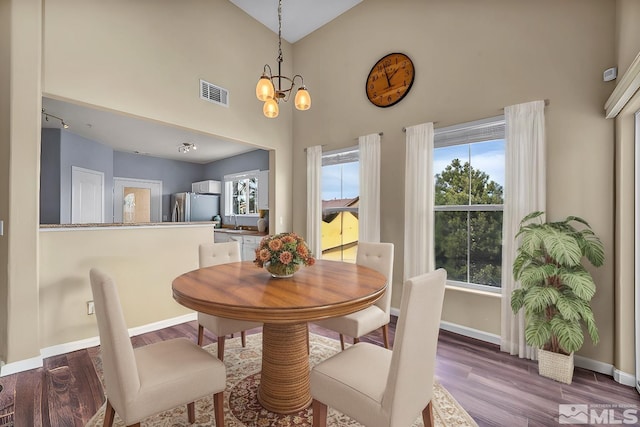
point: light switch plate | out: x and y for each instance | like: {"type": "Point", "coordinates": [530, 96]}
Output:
{"type": "Point", "coordinates": [1, 228]}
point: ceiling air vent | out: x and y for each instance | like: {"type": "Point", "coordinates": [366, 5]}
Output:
{"type": "Point", "coordinates": [213, 93]}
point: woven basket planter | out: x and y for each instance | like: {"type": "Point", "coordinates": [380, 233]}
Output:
{"type": "Point", "coordinates": [556, 366]}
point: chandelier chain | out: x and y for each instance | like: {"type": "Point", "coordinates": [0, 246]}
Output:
{"type": "Point", "coordinates": [280, 31]}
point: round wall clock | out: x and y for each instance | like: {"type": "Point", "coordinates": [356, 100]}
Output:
{"type": "Point", "coordinates": [390, 79]}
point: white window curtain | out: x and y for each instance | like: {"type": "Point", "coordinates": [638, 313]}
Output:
{"type": "Point", "coordinates": [419, 254]}
{"type": "Point", "coordinates": [369, 205]}
{"type": "Point", "coordinates": [525, 192]}
{"type": "Point", "coordinates": [314, 200]}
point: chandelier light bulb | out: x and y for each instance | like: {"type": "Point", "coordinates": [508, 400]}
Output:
{"type": "Point", "coordinates": [303, 99]}
{"type": "Point", "coordinates": [270, 108]}
{"type": "Point", "coordinates": [265, 89]}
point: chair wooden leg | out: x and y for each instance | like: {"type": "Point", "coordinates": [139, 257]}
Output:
{"type": "Point", "coordinates": [191, 412]}
{"type": "Point", "coordinates": [342, 341]}
{"type": "Point", "coordinates": [200, 335]}
{"type": "Point", "coordinates": [109, 414]}
{"type": "Point", "coordinates": [134, 425]}
{"type": "Point", "coordinates": [243, 337]}
{"type": "Point", "coordinates": [221, 348]}
{"type": "Point", "coordinates": [356, 340]}
{"type": "Point", "coordinates": [319, 413]}
{"type": "Point", "coordinates": [427, 415]}
{"type": "Point", "coordinates": [218, 408]}
{"type": "Point", "coordinates": [385, 336]}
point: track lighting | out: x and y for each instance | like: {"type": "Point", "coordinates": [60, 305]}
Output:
{"type": "Point", "coordinates": [186, 147]}
{"type": "Point", "coordinates": [47, 115]}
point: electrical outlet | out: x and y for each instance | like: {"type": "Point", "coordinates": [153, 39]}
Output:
{"type": "Point", "coordinates": [90, 308]}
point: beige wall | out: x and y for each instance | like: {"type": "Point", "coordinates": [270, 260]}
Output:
{"type": "Point", "coordinates": [628, 47]}
{"type": "Point", "coordinates": [19, 182]}
{"type": "Point", "coordinates": [5, 135]}
{"type": "Point", "coordinates": [473, 58]}
{"type": "Point", "coordinates": [143, 262]}
{"type": "Point", "coordinates": [627, 33]}
{"type": "Point", "coordinates": [146, 58]}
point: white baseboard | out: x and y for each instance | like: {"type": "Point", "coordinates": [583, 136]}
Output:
{"type": "Point", "coordinates": [470, 332]}
{"type": "Point", "coordinates": [623, 378]}
{"type": "Point", "coordinates": [20, 366]}
{"type": "Point", "coordinates": [37, 362]}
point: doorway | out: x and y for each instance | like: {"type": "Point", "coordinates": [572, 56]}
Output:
{"type": "Point", "coordinates": [137, 200]}
{"type": "Point", "coordinates": [87, 196]}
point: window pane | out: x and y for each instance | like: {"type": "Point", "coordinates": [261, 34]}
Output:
{"type": "Point", "coordinates": [340, 197]}
{"type": "Point", "coordinates": [485, 248]}
{"type": "Point", "coordinates": [252, 187]}
{"type": "Point", "coordinates": [451, 166]}
{"type": "Point", "coordinates": [451, 244]}
{"type": "Point", "coordinates": [487, 172]}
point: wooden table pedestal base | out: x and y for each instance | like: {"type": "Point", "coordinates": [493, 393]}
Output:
{"type": "Point", "coordinates": [284, 382]}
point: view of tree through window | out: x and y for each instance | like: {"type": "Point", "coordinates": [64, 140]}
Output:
{"type": "Point", "coordinates": [340, 199]}
{"type": "Point", "coordinates": [468, 211]}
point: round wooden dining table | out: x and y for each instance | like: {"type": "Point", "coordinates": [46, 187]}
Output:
{"type": "Point", "coordinates": [243, 291]}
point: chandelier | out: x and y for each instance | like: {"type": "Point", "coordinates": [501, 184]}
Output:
{"type": "Point", "coordinates": [268, 92]}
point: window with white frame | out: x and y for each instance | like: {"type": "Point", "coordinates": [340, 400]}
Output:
{"type": "Point", "coordinates": [469, 165]}
{"type": "Point", "coordinates": [241, 193]}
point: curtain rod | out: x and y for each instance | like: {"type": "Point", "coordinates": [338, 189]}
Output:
{"type": "Point", "coordinates": [379, 133]}
{"type": "Point", "coordinates": [404, 129]}
{"type": "Point", "coordinates": [546, 104]}
{"type": "Point", "coordinates": [321, 145]}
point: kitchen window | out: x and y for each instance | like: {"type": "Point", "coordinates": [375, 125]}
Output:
{"type": "Point", "coordinates": [241, 193]}
{"type": "Point", "coordinates": [469, 165]}
{"type": "Point", "coordinates": [340, 199]}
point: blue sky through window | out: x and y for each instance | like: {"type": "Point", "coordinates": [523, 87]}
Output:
{"type": "Point", "coordinates": [487, 156]}
{"type": "Point", "coordinates": [341, 181]}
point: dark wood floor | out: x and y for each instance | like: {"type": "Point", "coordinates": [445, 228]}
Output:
{"type": "Point", "coordinates": [495, 388]}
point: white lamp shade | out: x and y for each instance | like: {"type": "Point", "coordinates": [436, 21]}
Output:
{"type": "Point", "coordinates": [303, 99]}
{"type": "Point", "coordinates": [264, 89]}
{"type": "Point", "coordinates": [270, 108]}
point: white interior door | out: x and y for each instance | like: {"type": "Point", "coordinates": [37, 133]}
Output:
{"type": "Point", "coordinates": [87, 196]}
{"type": "Point", "coordinates": [137, 200]}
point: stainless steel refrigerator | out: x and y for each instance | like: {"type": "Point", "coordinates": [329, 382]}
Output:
{"type": "Point", "coordinates": [187, 207]}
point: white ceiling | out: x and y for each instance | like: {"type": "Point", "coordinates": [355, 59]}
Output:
{"type": "Point", "coordinates": [299, 17]}
{"type": "Point", "coordinates": [136, 135]}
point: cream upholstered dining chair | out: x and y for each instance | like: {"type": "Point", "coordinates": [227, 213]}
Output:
{"type": "Point", "coordinates": [211, 254]}
{"type": "Point", "coordinates": [378, 256]}
{"type": "Point", "coordinates": [154, 378]}
{"type": "Point", "coordinates": [402, 386]}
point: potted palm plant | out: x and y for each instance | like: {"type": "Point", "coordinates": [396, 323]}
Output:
{"type": "Point", "coordinates": [556, 289]}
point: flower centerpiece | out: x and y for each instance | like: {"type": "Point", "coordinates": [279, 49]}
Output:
{"type": "Point", "coordinates": [283, 254]}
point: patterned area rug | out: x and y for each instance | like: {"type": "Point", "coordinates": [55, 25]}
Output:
{"type": "Point", "coordinates": [243, 410]}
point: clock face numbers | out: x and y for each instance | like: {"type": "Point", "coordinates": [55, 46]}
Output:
{"type": "Point", "coordinates": [390, 80]}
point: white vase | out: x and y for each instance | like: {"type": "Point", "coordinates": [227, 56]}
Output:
{"type": "Point", "coordinates": [262, 225]}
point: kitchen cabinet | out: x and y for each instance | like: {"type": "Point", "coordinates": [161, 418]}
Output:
{"type": "Point", "coordinates": [207, 187]}
{"type": "Point", "coordinates": [248, 243]}
{"type": "Point", "coordinates": [249, 246]}
{"type": "Point", "coordinates": [220, 237]}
